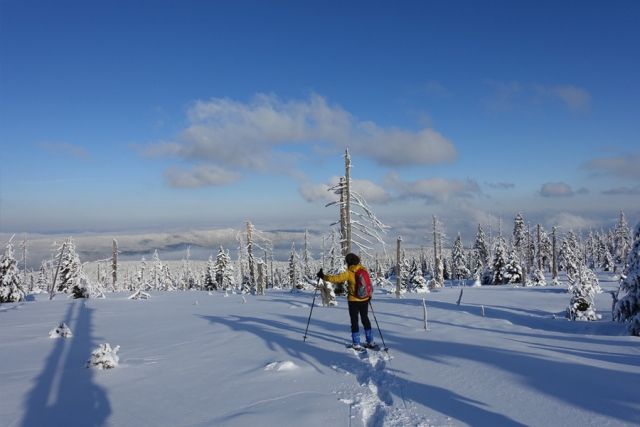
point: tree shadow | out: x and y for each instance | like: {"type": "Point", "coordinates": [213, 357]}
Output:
{"type": "Point", "coordinates": [65, 393]}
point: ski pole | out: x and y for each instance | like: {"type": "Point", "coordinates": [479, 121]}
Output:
{"type": "Point", "coordinates": [379, 331]}
{"type": "Point", "coordinates": [314, 301]}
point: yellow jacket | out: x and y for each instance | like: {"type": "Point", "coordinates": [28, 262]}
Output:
{"type": "Point", "coordinates": [348, 276]}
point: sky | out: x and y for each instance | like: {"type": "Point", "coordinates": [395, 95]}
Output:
{"type": "Point", "coordinates": [157, 115]}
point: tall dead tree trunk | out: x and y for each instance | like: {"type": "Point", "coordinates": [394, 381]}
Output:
{"type": "Point", "coordinates": [399, 269]}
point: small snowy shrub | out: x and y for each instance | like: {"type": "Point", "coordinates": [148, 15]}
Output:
{"type": "Point", "coordinates": [140, 295]}
{"type": "Point", "coordinates": [62, 331]}
{"type": "Point", "coordinates": [103, 357]}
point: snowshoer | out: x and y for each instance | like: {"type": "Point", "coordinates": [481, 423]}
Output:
{"type": "Point", "coordinates": [357, 306]}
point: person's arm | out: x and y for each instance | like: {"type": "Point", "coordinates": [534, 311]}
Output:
{"type": "Point", "coordinates": [343, 277]}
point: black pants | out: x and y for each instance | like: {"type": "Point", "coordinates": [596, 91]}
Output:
{"type": "Point", "coordinates": [359, 308]}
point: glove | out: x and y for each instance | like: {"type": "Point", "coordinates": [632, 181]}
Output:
{"type": "Point", "coordinates": [320, 274]}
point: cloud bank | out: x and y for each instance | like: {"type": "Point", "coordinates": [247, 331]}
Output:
{"type": "Point", "coordinates": [262, 136]}
{"type": "Point", "coordinates": [625, 167]}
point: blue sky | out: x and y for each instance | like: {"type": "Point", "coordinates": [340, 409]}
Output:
{"type": "Point", "coordinates": [157, 115]}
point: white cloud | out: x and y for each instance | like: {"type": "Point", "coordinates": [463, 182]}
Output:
{"type": "Point", "coordinates": [372, 193]}
{"type": "Point", "coordinates": [434, 190]}
{"type": "Point", "coordinates": [627, 167]}
{"type": "Point", "coordinates": [556, 189]}
{"type": "Point", "coordinates": [576, 99]}
{"type": "Point", "coordinates": [500, 185]}
{"type": "Point", "coordinates": [257, 135]}
{"type": "Point", "coordinates": [66, 149]}
{"type": "Point", "coordinates": [571, 221]}
{"type": "Point", "coordinates": [631, 191]}
{"type": "Point", "coordinates": [199, 176]}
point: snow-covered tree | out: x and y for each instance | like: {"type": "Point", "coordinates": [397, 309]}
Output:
{"type": "Point", "coordinates": [499, 262]}
{"type": "Point", "coordinates": [114, 265]}
{"type": "Point", "coordinates": [458, 260]}
{"type": "Point", "coordinates": [294, 270]}
{"type": "Point", "coordinates": [627, 309]}
{"type": "Point", "coordinates": [438, 238]}
{"type": "Point", "coordinates": [168, 282]}
{"type": "Point", "coordinates": [544, 247]}
{"type": "Point", "coordinates": [11, 289]}
{"type": "Point", "coordinates": [357, 227]}
{"type": "Point", "coordinates": [583, 287]}
{"type": "Point", "coordinates": [224, 271]}
{"type": "Point", "coordinates": [157, 272]}
{"type": "Point", "coordinates": [480, 245]}
{"type": "Point", "coordinates": [519, 239]}
{"type": "Point", "coordinates": [417, 281]}
{"type": "Point", "coordinates": [104, 357]}
{"type": "Point", "coordinates": [71, 277]}
{"type": "Point", "coordinates": [622, 240]}
{"type": "Point", "coordinates": [140, 275]}
{"type": "Point", "coordinates": [209, 282]}
{"type": "Point", "coordinates": [307, 257]}
{"type": "Point", "coordinates": [42, 283]}
{"type": "Point", "coordinates": [607, 263]}
{"type": "Point", "coordinates": [513, 270]}
{"type": "Point", "coordinates": [570, 254]}
{"type": "Point", "coordinates": [537, 278]}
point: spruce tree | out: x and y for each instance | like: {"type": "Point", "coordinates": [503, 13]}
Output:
{"type": "Point", "coordinates": [210, 276]}
{"type": "Point", "coordinates": [499, 262]}
{"type": "Point", "coordinates": [71, 277]}
{"type": "Point", "coordinates": [480, 245]}
{"type": "Point", "coordinates": [627, 309]}
{"type": "Point", "coordinates": [11, 289]}
{"type": "Point", "coordinates": [583, 287]}
{"type": "Point", "coordinates": [458, 260]}
{"type": "Point", "coordinates": [513, 269]}
{"type": "Point", "coordinates": [622, 240]}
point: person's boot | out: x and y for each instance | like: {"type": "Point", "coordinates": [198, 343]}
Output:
{"type": "Point", "coordinates": [369, 335]}
{"type": "Point", "coordinates": [355, 338]}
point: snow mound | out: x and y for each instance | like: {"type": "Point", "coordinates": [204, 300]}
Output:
{"type": "Point", "coordinates": [103, 357]}
{"type": "Point", "coordinates": [287, 365]}
{"type": "Point", "coordinates": [62, 331]}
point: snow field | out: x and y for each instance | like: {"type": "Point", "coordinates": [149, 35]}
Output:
{"type": "Point", "coordinates": [228, 363]}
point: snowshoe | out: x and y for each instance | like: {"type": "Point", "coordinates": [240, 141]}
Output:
{"type": "Point", "coordinates": [357, 348]}
{"type": "Point", "coordinates": [372, 346]}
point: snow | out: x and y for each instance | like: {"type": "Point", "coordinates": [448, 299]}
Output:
{"type": "Point", "coordinates": [241, 361]}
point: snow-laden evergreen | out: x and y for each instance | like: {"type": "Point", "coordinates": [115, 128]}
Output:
{"type": "Point", "coordinates": [61, 331]}
{"type": "Point", "coordinates": [104, 357]}
{"type": "Point", "coordinates": [11, 289]}
{"type": "Point", "coordinates": [513, 270]}
{"type": "Point", "coordinates": [583, 288]}
{"type": "Point", "coordinates": [627, 308]}
{"type": "Point", "coordinates": [225, 277]}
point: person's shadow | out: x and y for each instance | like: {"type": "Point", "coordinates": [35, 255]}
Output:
{"type": "Point", "coordinates": [65, 394]}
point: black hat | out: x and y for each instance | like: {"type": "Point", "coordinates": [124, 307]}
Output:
{"type": "Point", "coordinates": [352, 259]}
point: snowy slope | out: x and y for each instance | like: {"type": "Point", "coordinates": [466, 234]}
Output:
{"type": "Point", "coordinates": [226, 362]}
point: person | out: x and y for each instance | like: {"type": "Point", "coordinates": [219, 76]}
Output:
{"type": "Point", "coordinates": [357, 307]}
